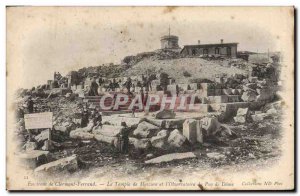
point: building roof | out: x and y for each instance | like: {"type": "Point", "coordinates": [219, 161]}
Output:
{"type": "Point", "coordinates": [169, 37]}
{"type": "Point", "coordinates": [208, 45]}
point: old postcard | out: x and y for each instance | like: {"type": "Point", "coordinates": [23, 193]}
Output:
{"type": "Point", "coordinates": [150, 98]}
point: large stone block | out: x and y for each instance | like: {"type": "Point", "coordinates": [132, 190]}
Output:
{"type": "Point", "coordinates": [240, 119]}
{"type": "Point", "coordinates": [249, 96]}
{"type": "Point", "coordinates": [107, 139]}
{"type": "Point", "coordinates": [242, 112]}
{"type": "Point", "coordinates": [160, 140]}
{"type": "Point", "coordinates": [171, 157]}
{"type": "Point", "coordinates": [210, 125]}
{"type": "Point", "coordinates": [64, 164]}
{"type": "Point", "coordinates": [108, 130]}
{"type": "Point", "coordinates": [176, 139]}
{"type": "Point", "coordinates": [81, 134]}
{"type": "Point", "coordinates": [192, 131]}
{"type": "Point", "coordinates": [29, 146]}
{"type": "Point", "coordinates": [44, 135]}
{"type": "Point", "coordinates": [145, 129]}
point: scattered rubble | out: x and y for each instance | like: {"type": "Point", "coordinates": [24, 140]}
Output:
{"type": "Point", "coordinates": [237, 120]}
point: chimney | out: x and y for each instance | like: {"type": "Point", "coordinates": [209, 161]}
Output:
{"type": "Point", "coordinates": [198, 42]}
{"type": "Point", "coordinates": [222, 41]}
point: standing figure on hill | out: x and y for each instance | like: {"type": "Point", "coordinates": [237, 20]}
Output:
{"type": "Point", "coordinates": [164, 81]}
{"type": "Point", "coordinates": [84, 118]}
{"type": "Point", "coordinates": [128, 85]}
{"type": "Point", "coordinates": [30, 106]}
{"type": "Point", "coordinates": [149, 86]}
{"type": "Point", "coordinates": [100, 81]}
{"type": "Point", "coordinates": [115, 84]}
{"type": "Point", "coordinates": [123, 139]}
{"type": "Point", "coordinates": [97, 120]}
{"type": "Point", "coordinates": [94, 88]}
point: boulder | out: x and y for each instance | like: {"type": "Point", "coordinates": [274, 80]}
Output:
{"type": "Point", "coordinates": [171, 157]}
{"type": "Point", "coordinates": [65, 126]}
{"type": "Point", "coordinates": [165, 114]}
{"type": "Point", "coordinates": [108, 130]}
{"type": "Point", "coordinates": [46, 145]}
{"type": "Point", "coordinates": [176, 139]}
{"type": "Point", "coordinates": [156, 122]}
{"type": "Point", "coordinates": [44, 135]}
{"type": "Point", "coordinates": [140, 143]}
{"type": "Point", "coordinates": [242, 115]}
{"type": "Point", "coordinates": [107, 139]}
{"type": "Point", "coordinates": [249, 96]}
{"type": "Point", "coordinates": [30, 146]}
{"type": "Point", "coordinates": [145, 129]}
{"type": "Point", "coordinates": [242, 112]}
{"type": "Point", "coordinates": [240, 119]}
{"type": "Point", "coordinates": [210, 124]}
{"type": "Point", "coordinates": [259, 117]}
{"type": "Point", "coordinates": [215, 155]}
{"type": "Point", "coordinates": [64, 164]}
{"type": "Point", "coordinates": [160, 140]}
{"type": "Point", "coordinates": [81, 134]}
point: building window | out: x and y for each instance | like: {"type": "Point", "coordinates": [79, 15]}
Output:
{"type": "Point", "coordinates": [228, 51]}
{"type": "Point", "coordinates": [205, 51]}
{"type": "Point", "coordinates": [217, 51]}
{"type": "Point", "coordinates": [193, 52]}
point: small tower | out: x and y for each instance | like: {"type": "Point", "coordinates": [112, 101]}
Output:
{"type": "Point", "coordinates": [169, 41]}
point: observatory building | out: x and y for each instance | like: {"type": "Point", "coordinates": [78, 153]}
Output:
{"type": "Point", "coordinates": [169, 42]}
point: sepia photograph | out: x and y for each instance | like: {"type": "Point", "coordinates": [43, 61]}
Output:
{"type": "Point", "coordinates": [150, 98]}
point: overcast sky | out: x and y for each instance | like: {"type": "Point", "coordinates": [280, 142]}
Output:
{"type": "Point", "coordinates": [67, 38]}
